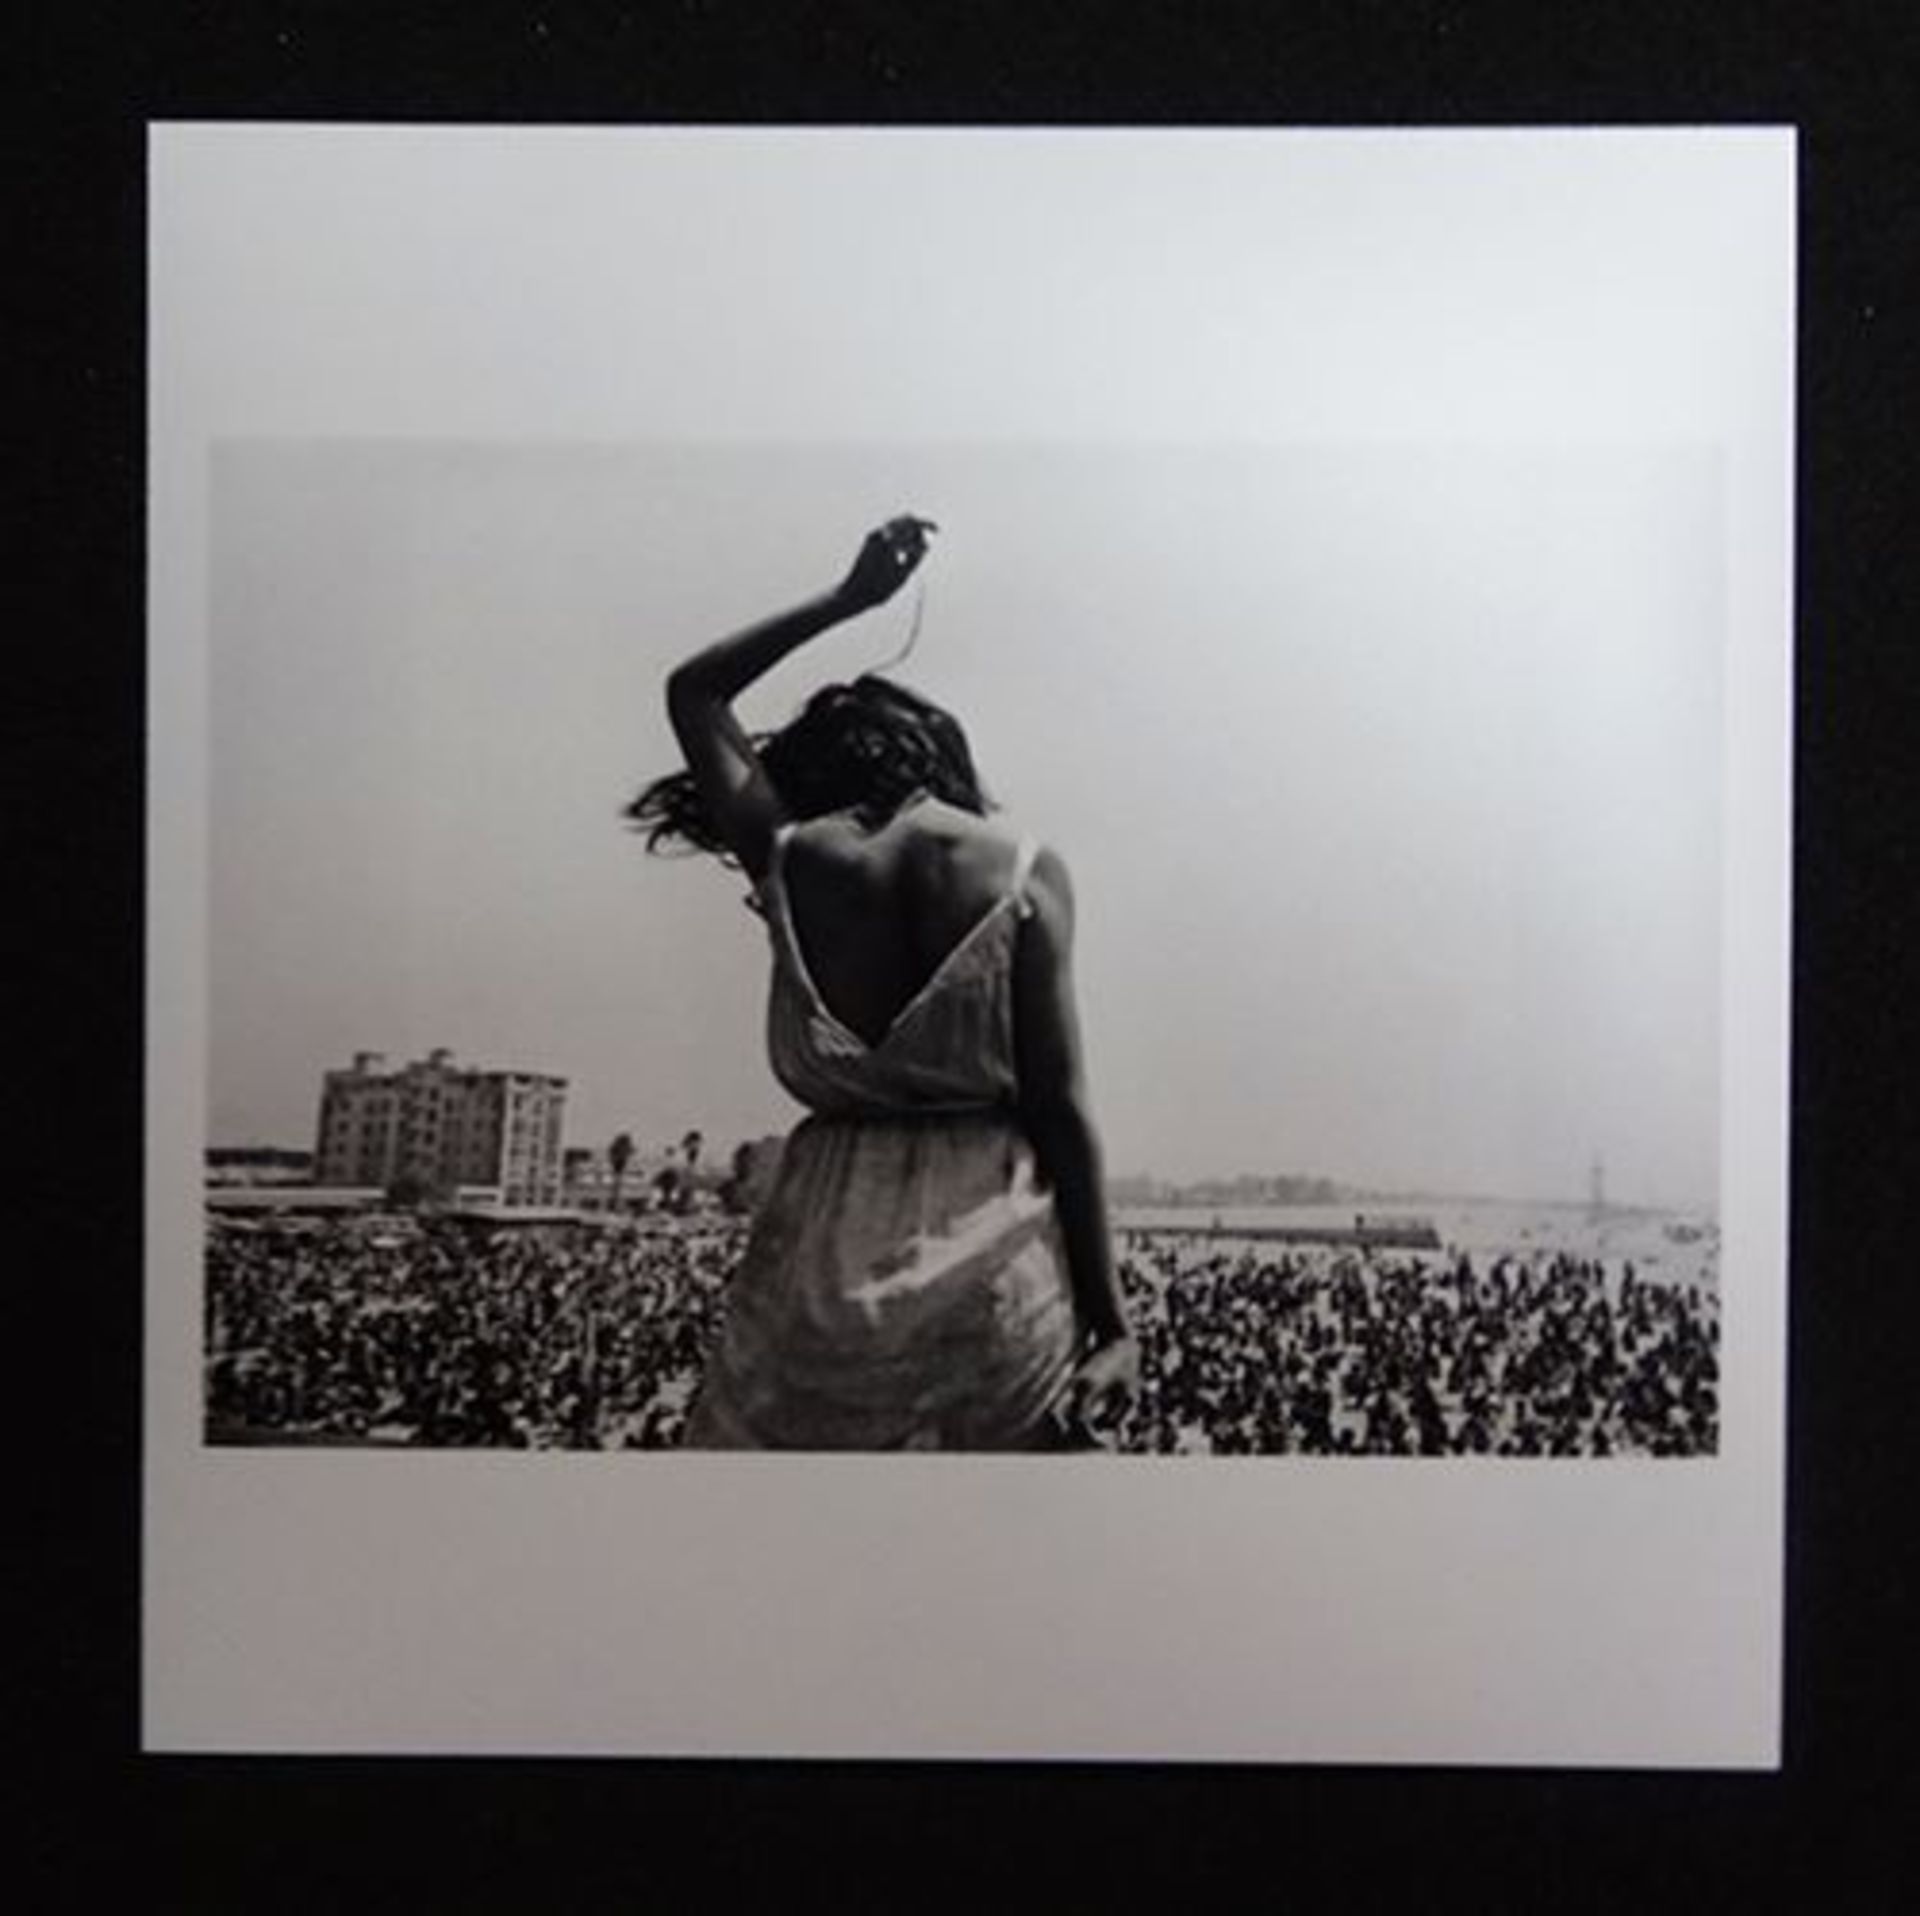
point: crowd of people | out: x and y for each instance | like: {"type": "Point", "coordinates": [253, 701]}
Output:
{"type": "Point", "coordinates": [598, 1341]}
{"type": "Point", "coordinates": [443, 1340]}
{"type": "Point", "coordinates": [1329, 1351]}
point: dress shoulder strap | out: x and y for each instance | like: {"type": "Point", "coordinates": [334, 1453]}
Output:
{"type": "Point", "coordinates": [1022, 870]}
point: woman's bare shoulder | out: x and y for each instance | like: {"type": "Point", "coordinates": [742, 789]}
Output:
{"type": "Point", "coordinates": [1002, 842]}
{"type": "Point", "coordinates": [943, 839]}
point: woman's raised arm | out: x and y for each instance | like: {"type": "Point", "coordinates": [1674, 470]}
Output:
{"type": "Point", "coordinates": [738, 795]}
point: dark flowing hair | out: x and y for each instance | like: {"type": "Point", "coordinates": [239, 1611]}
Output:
{"type": "Point", "coordinates": [864, 748]}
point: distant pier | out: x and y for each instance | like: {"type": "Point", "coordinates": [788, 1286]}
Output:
{"type": "Point", "coordinates": [1400, 1233]}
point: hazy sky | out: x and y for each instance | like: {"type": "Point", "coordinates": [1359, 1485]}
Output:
{"type": "Point", "coordinates": [1389, 777]}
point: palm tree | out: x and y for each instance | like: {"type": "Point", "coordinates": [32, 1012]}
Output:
{"type": "Point", "coordinates": [619, 1156]}
{"type": "Point", "coordinates": [690, 1150]}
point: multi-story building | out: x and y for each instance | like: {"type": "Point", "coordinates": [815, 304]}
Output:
{"type": "Point", "coordinates": [442, 1128]}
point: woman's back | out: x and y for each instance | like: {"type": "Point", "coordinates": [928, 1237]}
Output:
{"type": "Point", "coordinates": [906, 1281]}
{"type": "Point", "coordinates": [877, 913]}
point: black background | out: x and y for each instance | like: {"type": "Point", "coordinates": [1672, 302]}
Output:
{"type": "Point", "coordinates": [1830, 1831]}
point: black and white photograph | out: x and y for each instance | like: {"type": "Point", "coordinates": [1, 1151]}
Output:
{"type": "Point", "coordinates": [1054, 860]}
{"type": "Point", "coordinates": [1244, 981]}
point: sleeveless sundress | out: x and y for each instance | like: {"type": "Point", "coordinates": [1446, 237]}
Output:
{"type": "Point", "coordinates": [904, 1285]}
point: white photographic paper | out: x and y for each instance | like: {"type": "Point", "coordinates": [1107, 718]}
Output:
{"type": "Point", "coordinates": [1366, 554]}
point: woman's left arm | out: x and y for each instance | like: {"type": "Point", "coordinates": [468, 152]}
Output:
{"type": "Point", "coordinates": [1057, 1116]}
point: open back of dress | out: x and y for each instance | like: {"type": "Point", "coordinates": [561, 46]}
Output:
{"type": "Point", "coordinates": [904, 1284]}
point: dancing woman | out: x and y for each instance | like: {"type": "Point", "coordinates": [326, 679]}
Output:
{"type": "Point", "coordinates": [933, 1267]}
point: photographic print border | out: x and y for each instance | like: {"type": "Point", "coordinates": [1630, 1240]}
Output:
{"type": "Point", "coordinates": [901, 1607]}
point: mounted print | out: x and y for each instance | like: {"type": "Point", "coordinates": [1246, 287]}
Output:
{"type": "Point", "coordinates": [1067, 850]}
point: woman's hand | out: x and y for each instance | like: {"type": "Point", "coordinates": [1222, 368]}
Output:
{"type": "Point", "coordinates": [1105, 1381]}
{"type": "Point", "coordinates": [885, 562]}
